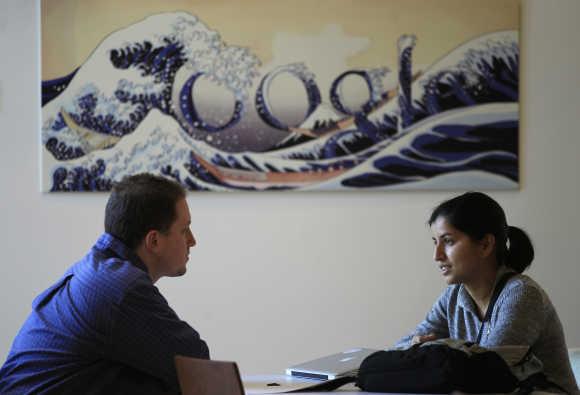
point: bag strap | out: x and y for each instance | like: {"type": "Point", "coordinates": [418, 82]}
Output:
{"type": "Point", "coordinates": [496, 291]}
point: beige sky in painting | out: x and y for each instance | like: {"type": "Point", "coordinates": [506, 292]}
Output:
{"type": "Point", "coordinates": [71, 29]}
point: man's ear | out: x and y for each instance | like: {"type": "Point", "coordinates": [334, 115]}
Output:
{"type": "Point", "coordinates": [151, 240]}
{"type": "Point", "coordinates": [487, 245]}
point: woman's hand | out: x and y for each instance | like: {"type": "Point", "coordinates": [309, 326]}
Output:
{"type": "Point", "coordinates": [418, 339]}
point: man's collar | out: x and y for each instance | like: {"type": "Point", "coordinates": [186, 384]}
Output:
{"type": "Point", "coordinates": [110, 242]}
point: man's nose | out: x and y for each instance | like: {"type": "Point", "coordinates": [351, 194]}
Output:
{"type": "Point", "coordinates": [191, 242]}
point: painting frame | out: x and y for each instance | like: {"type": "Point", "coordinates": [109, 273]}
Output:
{"type": "Point", "coordinates": [300, 105]}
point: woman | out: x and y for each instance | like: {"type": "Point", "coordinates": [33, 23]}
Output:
{"type": "Point", "coordinates": [474, 248]}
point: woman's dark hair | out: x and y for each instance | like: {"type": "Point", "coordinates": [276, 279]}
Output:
{"type": "Point", "coordinates": [141, 203]}
{"type": "Point", "coordinates": [476, 214]}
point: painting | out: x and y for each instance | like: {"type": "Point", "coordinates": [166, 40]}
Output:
{"type": "Point", "coordinates": [261, 95]}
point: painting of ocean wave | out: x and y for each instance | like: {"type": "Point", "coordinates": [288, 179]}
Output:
{"type": "Point", "coordinates": [168, 95]}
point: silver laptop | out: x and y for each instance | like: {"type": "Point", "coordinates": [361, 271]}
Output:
{"type": "Point", "coordinates": [333, 366]}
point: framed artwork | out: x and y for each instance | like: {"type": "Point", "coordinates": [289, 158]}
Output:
{"type": "Point", "coordinates": [261, 95]}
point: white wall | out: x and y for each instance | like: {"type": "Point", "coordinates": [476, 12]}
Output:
{"type": "Point", "coordinates": [277, 278]}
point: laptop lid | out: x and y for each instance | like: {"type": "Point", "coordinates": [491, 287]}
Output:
{"type": "Point", "coordinates": [333, 366]}
{"type": "Point", "coordinates": [206, 377]}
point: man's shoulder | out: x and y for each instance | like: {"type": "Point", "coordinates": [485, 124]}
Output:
{"type": "Point", "coordinates": [110, 275]}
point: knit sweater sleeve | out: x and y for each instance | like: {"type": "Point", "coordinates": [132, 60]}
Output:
{"type": "Point", "coordinates": [435, 322]}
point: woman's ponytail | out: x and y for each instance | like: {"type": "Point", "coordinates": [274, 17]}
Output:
{"type": "Point", "coordinates": [520, 251]}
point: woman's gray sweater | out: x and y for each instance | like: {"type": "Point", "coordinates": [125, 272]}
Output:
{"type": "Point", "coordinates": [523, 315]}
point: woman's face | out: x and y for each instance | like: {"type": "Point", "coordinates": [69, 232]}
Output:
{"type": "Point", "coordinates": [458, 256]}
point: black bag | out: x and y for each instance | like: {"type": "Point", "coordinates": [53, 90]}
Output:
{"type": "Point", "coordinates": [444, 366]}
{"type": "Point", "coordinates": [435, 369]}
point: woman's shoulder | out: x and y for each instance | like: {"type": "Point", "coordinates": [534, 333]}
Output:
{"type": "Point", "coordinates": [522, 287]}
{"type": "Point", "coordinates": [522, 281]}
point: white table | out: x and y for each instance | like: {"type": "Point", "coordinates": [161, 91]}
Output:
{"type": "Point", "coordinates": [281, 383]}
{"type": "Point", "coordinates": [258, 384]}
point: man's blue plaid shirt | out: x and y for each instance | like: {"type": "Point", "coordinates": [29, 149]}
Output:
{"type": "Point", "coordinates": [103, 328]}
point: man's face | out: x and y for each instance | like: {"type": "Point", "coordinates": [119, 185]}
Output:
{"type": "Point", "coordinates": [174, 244]}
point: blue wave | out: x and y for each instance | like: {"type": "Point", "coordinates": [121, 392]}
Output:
{"type": "Point", "coordinates": [52, 88]}
{"type": "Point", "coordinates": [161, 62]}
{"type": "Point", "coordinates": [81, 179]}
{"type": "Point", "coordinates": [489, 147]}
{"type": "Point", "coordinates": [496, 81]}
{"type": "Point", "coordinates": [491, 78]}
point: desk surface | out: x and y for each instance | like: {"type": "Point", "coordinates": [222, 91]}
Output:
{"type": "Point", "coordinates": [280, 383]}
{"type": "Point", "coordinates": [258, 384]}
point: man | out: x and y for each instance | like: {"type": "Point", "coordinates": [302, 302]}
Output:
{"type": "Point", "coordinates": [104, 328]}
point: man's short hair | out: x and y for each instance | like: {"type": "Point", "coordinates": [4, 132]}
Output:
{"type": "Point", "coordinates": [140, 203]}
